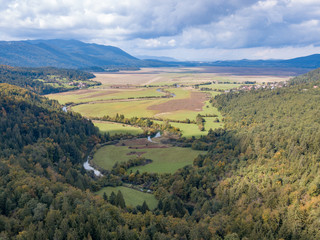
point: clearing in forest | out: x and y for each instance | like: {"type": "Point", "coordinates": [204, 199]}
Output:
{"type": "Point", "coordinates": [165, 158]}
{"type": "Point", "coordinates": [131, 196]}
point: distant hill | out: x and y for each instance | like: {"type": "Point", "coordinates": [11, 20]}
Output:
{"type": "Point", "coordinates": [161, 58]}
{"type": "Point", "coordinates": [312, 77]}
{"type": "Point", "coordinates": [94, 57]}
{"type": "Point", "coordinates": [63, 54]}
{"type": "Point", "coordinates": [311, 61]}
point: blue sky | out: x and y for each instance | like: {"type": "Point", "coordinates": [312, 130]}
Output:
{"type": "Point", "coordinates": [186, 30]}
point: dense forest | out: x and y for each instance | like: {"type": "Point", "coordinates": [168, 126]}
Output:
{"type": "Point", "coordinates": [259, 180]}
{"type": "Point", "coordinates": [46, 80]}
{"type": "Point", "coordinates": [45, 193]}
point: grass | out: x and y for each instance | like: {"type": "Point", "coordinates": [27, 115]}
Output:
{"type": "Point", "coordinates": [128, 108]}
{"type": "Point", "coordinates": [164, 160]}
{"type": "Point", "coordinates": [104, 94]}
{"type": "Point", "coordinates": [189, 130]}
{"type": "Point", "coordinates": [180, 93]}
{"type": "Point", "coordinates": [211, 124]}
{"type": "Point", "coordinates": [131, 196]}
{"type": "Point", "coordinates": [117, 128]}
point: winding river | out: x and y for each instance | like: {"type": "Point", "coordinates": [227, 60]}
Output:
{"type": "Point", "coordinates": [88, 167]}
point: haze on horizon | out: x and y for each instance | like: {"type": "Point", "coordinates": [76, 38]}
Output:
{"type": "Point", "coordinates": [202, 30]}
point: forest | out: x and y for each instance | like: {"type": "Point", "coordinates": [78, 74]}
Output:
{"type": "Point", "coordinates": [259, 179]}
{"type": "Point", "coordinates": [46, 80]}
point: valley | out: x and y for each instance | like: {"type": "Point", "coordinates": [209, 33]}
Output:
{"type": "Point", "coordinates": [165, 95]}
{"type": "Point", "coordinates": [175, 159]}
{"type": "Point", "coordinates": [160, 120]}
{"type": "Point", "coordinates": [130, 105]}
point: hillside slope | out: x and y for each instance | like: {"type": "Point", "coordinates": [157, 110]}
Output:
{"type": "Point", "coordinates": [46, 80]}
{"type": "Point", "coordinates": [63, 54]}
{"type": "Point", "coordinates": [260, 179]}
{"type": "Point", "coordinates": [45, 193]}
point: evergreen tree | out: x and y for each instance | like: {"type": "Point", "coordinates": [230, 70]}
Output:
{"type": "Point", "coordinates": [119, 201]}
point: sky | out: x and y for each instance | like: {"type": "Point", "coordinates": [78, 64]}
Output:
{"type": "Point", "coordinates": [193, 30]}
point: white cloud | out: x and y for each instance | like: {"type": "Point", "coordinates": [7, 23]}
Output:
{"type": "Point", "coordinates": [144, 25]}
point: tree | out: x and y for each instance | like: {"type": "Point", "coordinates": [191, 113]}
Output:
{"type": "Point", "coordinates": [119, 201]}
{"type": "Point", "coordinates": [144, 207]}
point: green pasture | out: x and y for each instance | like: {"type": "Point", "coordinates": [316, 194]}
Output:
{"type": "Point", "coordinates": [180, 93]}
{"type": "Point", "coordinates": [117, 128]}
{"type": "Point", "coordinates": [127, 108]}
{"type": "Point", "coordinates": [164, 160]}
{"type": "Point", "coordinates": [189, 130]}
{"type": "Point", "coordinates": [131, 196]}
{"type": "Point", "coordinates": [105, 94]}
{"type": "Point", "coordinates": [210, 123]}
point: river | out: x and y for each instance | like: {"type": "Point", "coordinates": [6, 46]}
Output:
{"type": "Point", "coordinates": [88, 167]}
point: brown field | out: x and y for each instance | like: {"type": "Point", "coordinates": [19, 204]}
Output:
{"type": "Point", "coordinates": [194, 103]}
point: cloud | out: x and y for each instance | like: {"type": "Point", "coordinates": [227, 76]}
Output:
{"type": "Point", "coordinates": [144, 25]}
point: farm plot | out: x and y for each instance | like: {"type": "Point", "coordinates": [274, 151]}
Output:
{"type": "Point", "coordinates": [92, 95]}
{"type": "Point", "coordinates": [131, 196]}
{"type": "Point", "coordinates": [186, 104]}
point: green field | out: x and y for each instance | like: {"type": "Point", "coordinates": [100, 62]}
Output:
{"type": "Point", "coordinates": [189, 130]}
{"type": "Point", "coordinates": [180, 93]}
{"type": "Point", "coordinates": [117, 128]}
{"type": "Point", "coordinates": [104, 94]}
{"type": "Point", "coordinates": [164, 160]}
{"type": "Point", "coordinates": [128, 108]}
{"type": "Point", "coordinates": [131, 196]}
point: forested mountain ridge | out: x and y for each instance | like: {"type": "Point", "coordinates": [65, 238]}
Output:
{"type": "Point", "coordinates": [62, 54]}
{"type": "Point", "coordinates": [28, 120]}
{"type": "Point", "coordinates": [46, 80]}
{"type": "Point", "coordinates": [45, 191]}
{"type": "Point", "coordinates": [260, 179]}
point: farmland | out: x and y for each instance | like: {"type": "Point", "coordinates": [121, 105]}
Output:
{"type": "Point", "coordinates": [177, 97]}
{"type": "Point", "coordinates": [172, 94]}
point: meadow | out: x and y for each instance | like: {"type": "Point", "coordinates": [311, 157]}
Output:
{"type": "Point", "coordinates": [131, 196]}
{"type": "Point", "coordinates": [116, 128]}
{"type": "Point", "coordinates": [164, 160]}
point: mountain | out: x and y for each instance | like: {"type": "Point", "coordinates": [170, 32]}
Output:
{"type": "Point", "coordinates": [94, 57]}
{"type": "Point", "coordinates": [63, 54]}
